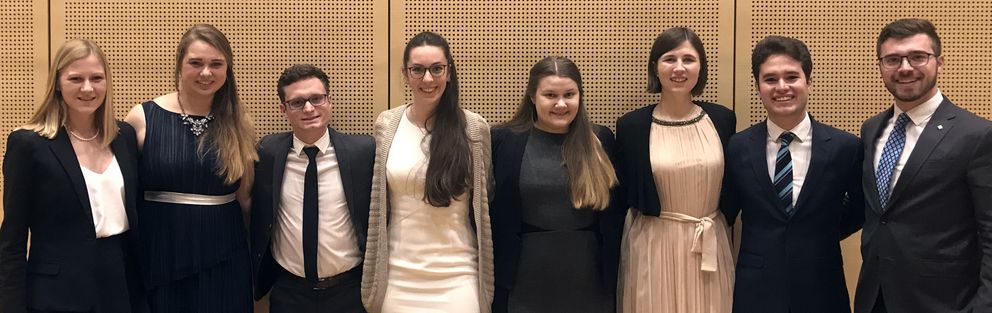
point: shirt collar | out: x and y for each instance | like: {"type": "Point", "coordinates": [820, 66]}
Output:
{"type": "Point", "coordinates": [803, 130]}
{"type": "Point", "coordinates": [922, 113]}
{"type": "Point", "coordinates": [322, 143]}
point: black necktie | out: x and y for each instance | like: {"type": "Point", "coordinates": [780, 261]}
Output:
{"type": "Point", "coordinates": [783, 173]}
{"type": "Point", "coordinates": [310, 216]}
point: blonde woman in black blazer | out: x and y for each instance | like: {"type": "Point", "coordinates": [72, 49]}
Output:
{"type": "Point", "coordinates": [70, 180]}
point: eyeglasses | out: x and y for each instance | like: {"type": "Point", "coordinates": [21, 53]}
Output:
{"type": "Point", "coordinates": [916, 59]}
{"type": "Point", "coordinates": [418, 72]}
{"type": "Point", "coordinates": [314, 100]}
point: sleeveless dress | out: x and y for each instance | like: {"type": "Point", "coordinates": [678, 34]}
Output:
{"type": "Point", "coordinates": [559, 269]}
{"type": "Point", "coordinates": [433, 259]}
{"type": "Point", "coordinates": [195, 256]}
{"type": "Point", "coordinates": [680, 261]}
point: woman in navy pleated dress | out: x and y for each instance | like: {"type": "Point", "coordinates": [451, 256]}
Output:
{"type": "Point", "coordinates": [197, 151]}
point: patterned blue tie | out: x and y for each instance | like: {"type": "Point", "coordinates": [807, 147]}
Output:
{"type": "Point", "coordinates": [783, 173]}
{"type": "Point", "coordinates": [890, 156]}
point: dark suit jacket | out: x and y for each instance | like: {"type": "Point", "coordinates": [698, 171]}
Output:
{"type": "Point", "coordinates": [504, 210]}
{"type": "Point", "coordinates": [930, 250]}
{"type": "Point", "coordinates": [793, 264]}
{"type": "Point", "coordinates": [634, 158]}
{"type": "Point", "coordinates": [44, 193]}
{"type": "Point", "coordinates": [355, 154]}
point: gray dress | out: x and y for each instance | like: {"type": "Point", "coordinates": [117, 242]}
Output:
{"type": "Point", "coordinates": [559, 258]}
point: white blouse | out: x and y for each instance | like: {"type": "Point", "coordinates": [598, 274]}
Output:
{"type": "Point", "coordinates": [106, 193]}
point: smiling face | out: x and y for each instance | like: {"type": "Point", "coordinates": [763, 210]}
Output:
{"type": "Point", "coordinates": [783, 87]}
{"type": "Point", "coordinates": [908, 84]}
{"type": "Point", "coordinates": [83, 85]}
{"type": "Point", "coordinates": [556, 101]}
{"type": "Point", "coordinates": [678, 69]}
{"type": "Point", "coordinates": [204, 70]}
{"type": "Point", "coordinates": [310, 119]}
{"type": "Point", "coordinates": [427, 89]}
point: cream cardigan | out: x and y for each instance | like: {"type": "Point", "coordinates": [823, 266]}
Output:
{"type": "Point", "coordinates": [375, 270]}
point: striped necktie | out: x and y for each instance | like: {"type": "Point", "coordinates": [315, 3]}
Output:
{"type": "Point", "coordinates": [783, 173]}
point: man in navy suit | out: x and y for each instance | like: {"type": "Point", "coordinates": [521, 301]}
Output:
{"type": "Point", "coordinates": [927, 240]}
{"type": "Point", "coordinates": [310, 204]}
{"type": "Point", "coordinates": [797, 184]}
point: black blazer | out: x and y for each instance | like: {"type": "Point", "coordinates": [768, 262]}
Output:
{"type": "Point", "coordinates": [355, 154]}
{"type": "Point", "coordinates": [44, 193]}
{"type": "Point", "coordinates": [794, 264]}
{"type": "Point", "coordinates": [634, 158]}
{"type": "Point", "coordinates": [931, 249]}
{"type": "Point", "coordinates": [504, 210]}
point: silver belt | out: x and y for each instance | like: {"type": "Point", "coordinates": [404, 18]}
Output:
{"type": "Point", "coordinates": [187, 198]}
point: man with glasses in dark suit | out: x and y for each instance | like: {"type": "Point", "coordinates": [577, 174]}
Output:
{"type": "Point", "coordinates": [927, 240]}
{"type": "Point", "coordinates": [310, 204]}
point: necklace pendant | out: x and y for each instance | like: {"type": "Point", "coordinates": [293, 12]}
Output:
{"type": "Point", "coordinates": [196, 125]}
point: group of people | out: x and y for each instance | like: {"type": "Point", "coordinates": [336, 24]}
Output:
{"type": "Point", "coordinates": [547, 212]}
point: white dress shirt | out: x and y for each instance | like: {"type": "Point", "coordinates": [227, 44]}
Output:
{"type": "Point", "coordinates": [801, 150]}
{"type": "Point", "coordinates": [919, 116]}
{"type": "Point", "coordinates": [106, 193]}
{"type": "Point", "coordinates": [337, 246]}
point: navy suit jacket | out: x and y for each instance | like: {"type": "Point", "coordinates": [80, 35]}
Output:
{"type": "Point", "coordinates": [355, 154]}
{"type": "Point", "coordinates": [930, 250]}
{"type": "Point", "coordinates": [45, 192]}
{"type": "Point", "coordinates": [794, 264]}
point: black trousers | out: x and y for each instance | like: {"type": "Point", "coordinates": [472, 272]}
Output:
{"type": "Point", "coordinates": [293, 294]}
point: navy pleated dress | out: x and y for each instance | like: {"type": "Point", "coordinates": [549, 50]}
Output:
{"type": "Point", "coordinates": [195, 256]}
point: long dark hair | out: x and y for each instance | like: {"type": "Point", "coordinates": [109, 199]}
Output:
{"type": "Point", "coordinates": [590, 172]}
{"type": "Point", "coordinates": [449, 168]}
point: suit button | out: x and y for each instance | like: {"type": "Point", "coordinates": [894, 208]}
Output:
{"type": "Point", "coordinates": [883, 221]}
{"type": "Point", "coordinates": [270, 226]}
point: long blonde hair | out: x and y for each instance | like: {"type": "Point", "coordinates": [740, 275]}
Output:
{"type": "Point", "coordinates": [590, 172]}
{"type": "Point", "coordinates": [51, 112]}
{"type": "Point", "coordinates": [232, 135]}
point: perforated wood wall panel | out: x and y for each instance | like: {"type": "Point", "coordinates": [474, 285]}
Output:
{"type": "Point", "coordinates": [339, 36]}
{"type": "Point", "coordinates": [24, 46]}
{"type": "Point", "coordinates": [495, 43]}
{"type": "Point", "coordinates": [841, 35]}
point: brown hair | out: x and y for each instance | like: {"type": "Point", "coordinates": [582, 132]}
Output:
{"type": "Point", "coordinates": [590, 173]}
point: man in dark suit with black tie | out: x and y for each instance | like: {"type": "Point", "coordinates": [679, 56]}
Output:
{"type": "Point", "coordinates": [797, 184]}
{"type": "Point", "coordinates": [927, 240]}
{"type": "Point", "coordinates": [310, 204]}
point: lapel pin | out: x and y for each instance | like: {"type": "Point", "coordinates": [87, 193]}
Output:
{"type": "Point", "coordinates": [940, 126]}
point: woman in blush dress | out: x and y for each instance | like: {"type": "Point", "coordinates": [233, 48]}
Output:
{"type": "Point", "coordinates": [675, 255]}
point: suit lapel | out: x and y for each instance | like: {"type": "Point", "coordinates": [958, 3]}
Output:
{"type": "Point", "coordinates": [872, 130]}
{"type": "Point", "coordinates": [931, 136]}
{"type": "Point", "coordinates": [821, 151]}
{"type": "Point", "coordinates": [279, 155]}
{"type": "Point", "coordinates": [759, 164]}
{"type": "Point", "coordinates": [124, 161]}
{"type": "Point", "coordinates": [344, 167]}
{"type": "Point", "coordinates": [63, 151]}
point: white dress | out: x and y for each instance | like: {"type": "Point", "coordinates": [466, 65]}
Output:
{"type": "Point", "coordinates": [433, 259]}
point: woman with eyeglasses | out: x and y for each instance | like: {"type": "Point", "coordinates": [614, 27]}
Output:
{"type": "Point", "coordinates": [71, 181]}
{"type": "Point", "coordinates": [556, 228]}
{"type": "Point", "coordinates": [675, 255]}
{"type": "Point", "coordinates": [430, 243]}
{"type": "Point", "coordinates": [197, 156]}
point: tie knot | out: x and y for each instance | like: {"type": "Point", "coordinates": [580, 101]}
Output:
{"type": "Point", "coordinates": [311, 152]}
{"type": "Point", "coordinates": [902, 120]}
{"type": "Point", "coordinates": [786, 138]}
